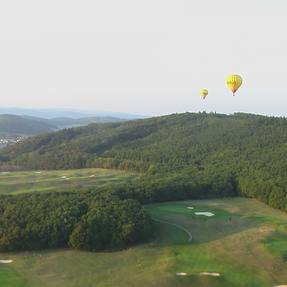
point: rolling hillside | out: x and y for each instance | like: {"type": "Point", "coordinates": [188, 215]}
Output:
{"type": "Point", "coordinates": [12, 125]}
{"type": "Point", "coordinates": [226, 154]}
{"type": "Point", "coordinates": [181, 156]}
{"type": "Point", "coordinates": [64, 122]}
{"type": "Point", "coordinates": [51, 113]}
{"type": "Point", "coordinates": [19, 125]}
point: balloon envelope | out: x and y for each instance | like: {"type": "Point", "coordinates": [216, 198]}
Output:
{"type": "Point", "coordinates": [204, 93]}
{"type": "Point", "coordinates": [233, 83]}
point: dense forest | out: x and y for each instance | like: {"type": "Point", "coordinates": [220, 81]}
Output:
{"type": "Point", "coordinates": [191, 155]}
{"type": "Point", "coordinates": [245, 153]}
{"type": "Point", "coordinates": [89, 221]}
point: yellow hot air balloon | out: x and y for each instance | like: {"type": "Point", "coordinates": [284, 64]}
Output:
{"type": "Point", "coordinates": [233, 83]}
{"type": "Point", "coordinates": [204, 93]}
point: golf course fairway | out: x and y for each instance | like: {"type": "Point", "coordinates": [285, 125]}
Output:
{"type": "Point", "coordinates": [243, 244]}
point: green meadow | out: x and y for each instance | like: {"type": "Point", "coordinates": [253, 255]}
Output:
{"type": "Point", "coordinates": [245, 242]}
{"type": "Point", "coordinates": [60, 180]}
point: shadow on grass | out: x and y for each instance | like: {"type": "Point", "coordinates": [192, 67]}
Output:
{"type": "Point", "coordinates": [276, 243]}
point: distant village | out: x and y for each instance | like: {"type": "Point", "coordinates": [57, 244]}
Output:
{"type": "Point", "coordinates": [4, 141]}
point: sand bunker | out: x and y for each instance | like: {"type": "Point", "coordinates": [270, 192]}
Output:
{"type": "Point", "coordinates": [181, 274]}
{"type": "Point", "coordinates": [92, 175]}
{"type": "Point", "coordinates": [281, 286]}
{"type": "Point", "coordinates": [190, 207]}
{"type": "Point", "coordinates": [38, 172]}
{"type": "Point", "coordinates": [205, 213]}
{"type": "Point", "coordinates": [215, 274]}
{"type": "Point", "coordinates": [6, 261]}
{"type": "Point", "coordinates": [65, 177]}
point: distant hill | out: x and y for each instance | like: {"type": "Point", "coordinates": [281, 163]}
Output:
{"type": "Point", "coordinates": [206, 153]}
{"type": "Point", "coordinates": [50, 113]}
{"type": "Point", "coordinates": [14, 125]}
{"type": "Point", "coordinates": [11, 125]}
{"type": "Point", "coordinates": [71, 122]}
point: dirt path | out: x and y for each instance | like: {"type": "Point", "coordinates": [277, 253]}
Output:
{"type": "Point", "coordinates": [176, 225]}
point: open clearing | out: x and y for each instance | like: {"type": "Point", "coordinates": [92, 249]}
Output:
{"type": "Point", "coordinates": [245, 242]}
{"type": "Point", "coordinates": [60, 180]}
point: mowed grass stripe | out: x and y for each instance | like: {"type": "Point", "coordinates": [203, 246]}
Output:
{"type": "Point", "coordinates": [10, 278]}
{"type": "Point", "coordinates": [61, 180]}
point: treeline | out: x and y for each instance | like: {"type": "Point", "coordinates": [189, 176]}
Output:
{"type": "Point", "coordinates": [272, 192]}
{"type": "Point", "coordinates": [180, 155]}
{"type": "Point", "coordinates": [89, 221]}
{"type": "Point", "coordinates": [105, 218]}
{"type": "Point", "coordinates": [175, 186]}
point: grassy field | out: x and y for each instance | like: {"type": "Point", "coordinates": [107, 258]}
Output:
{"type": "Point", "coordinates": [245, 241]}
{"type": "Point", "coordinates": [61, 180]}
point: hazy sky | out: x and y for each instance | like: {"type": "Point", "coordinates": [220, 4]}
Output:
{"type": "Point", "coordinates": [143, 56]}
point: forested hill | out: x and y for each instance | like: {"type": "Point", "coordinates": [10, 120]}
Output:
{"type": "Point", "coordinates": [11, 125]}
{"type": "Point", "coordinates": [19, 125]}
{"type": "Point", "coordinates": [245, 149]}
{"type": "Point", "coordinates": [163, 143]}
